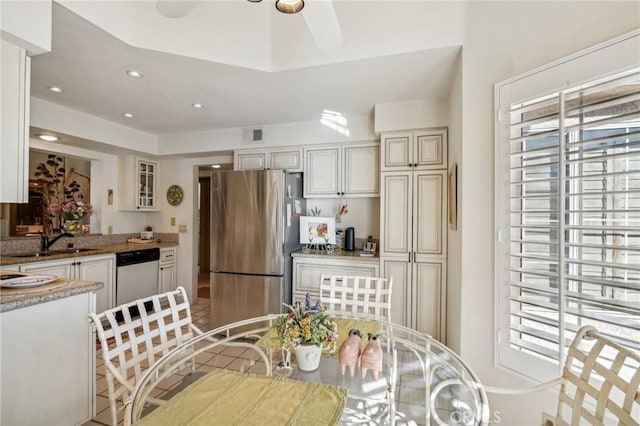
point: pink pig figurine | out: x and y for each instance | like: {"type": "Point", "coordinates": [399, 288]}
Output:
{"type": "Point", "coordinates": [350, 351]}
{"type": "Point", "coordinates": [371, 357]}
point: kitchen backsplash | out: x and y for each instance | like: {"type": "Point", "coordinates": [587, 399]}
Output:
{"type": "Point", "coordinates": [25, 244]}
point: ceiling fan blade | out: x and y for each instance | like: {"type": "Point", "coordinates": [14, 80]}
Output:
{"type": "Point", "coordinates": [175, 8]}
{"type": "Point", "coordinates": [322, 21]}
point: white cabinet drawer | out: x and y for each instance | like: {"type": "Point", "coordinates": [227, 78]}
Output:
{"type": "Point", "coordinates": [167, 255]}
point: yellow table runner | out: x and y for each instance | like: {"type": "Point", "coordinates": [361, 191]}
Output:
{"type": "Point", "coordinates": [231, 398]}
{"type": "Point", "coordinates": [271, 341]}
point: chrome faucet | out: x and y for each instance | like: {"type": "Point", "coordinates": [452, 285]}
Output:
{"type": "Point", "coordinates": [46, 243]}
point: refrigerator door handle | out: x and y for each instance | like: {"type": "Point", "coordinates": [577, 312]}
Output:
{"type": "Point", "coordinates": [279, 217]}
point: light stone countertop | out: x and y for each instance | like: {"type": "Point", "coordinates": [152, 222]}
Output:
{"type": "Point", "coordinates": [342, 255]}
{"type": "Point", "coordinates": [17, 298]}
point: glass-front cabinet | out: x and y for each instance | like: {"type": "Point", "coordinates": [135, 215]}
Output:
{"type": "Point", "coordinates": [147, 176]}
{"type": "Point", "coordinates": [138, 184]}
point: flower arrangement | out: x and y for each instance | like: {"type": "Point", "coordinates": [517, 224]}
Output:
{"type": "Point", "coordinates": [307, 324]}
{"type": "Point", "coordinates": [71, 210]}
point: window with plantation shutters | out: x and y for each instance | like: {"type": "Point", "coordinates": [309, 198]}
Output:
{"type": "Point", "coordinates": [568, 251]}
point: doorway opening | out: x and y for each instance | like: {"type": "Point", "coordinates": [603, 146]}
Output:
{"type": "Point", "coordinates": [204, 226]}
{"type": "Point", "coordinates": [204, 243]}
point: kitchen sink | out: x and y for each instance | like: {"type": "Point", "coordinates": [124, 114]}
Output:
{"type": "Point", "coordinates": [53, 252]}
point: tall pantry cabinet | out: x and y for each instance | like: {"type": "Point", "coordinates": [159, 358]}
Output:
{"type": "Point", "coordinates": [413, 227]}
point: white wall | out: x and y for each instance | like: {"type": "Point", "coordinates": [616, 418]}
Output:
{"type": "Point", "coordinates": [454, 237]}
{"type": "Point", "coordinates": [363, 215]}
{"type": "Point", "coordinates": [415, 114]}
{"type": "Point", "coordinates": [282, 134]}
{"type": "Point", "coordinates": [27, 24]}
{"type": "Point", "coordinates": [502, 40]}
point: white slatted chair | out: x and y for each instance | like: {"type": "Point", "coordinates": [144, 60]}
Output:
{"type": "Point", "coordinates": [600, 383]}
{"type": "Point", "coordinates": [357, 297]}
{"type": "Point", "coordinates": [130, 345]}
{"type": "Point", "coordinates": [363, 298]}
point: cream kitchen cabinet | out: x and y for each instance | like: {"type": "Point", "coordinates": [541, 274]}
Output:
{"type": "Point", "coordinates": [86, 268]}
{"type": "Point", "coordinates": [308, 270]}
{"type": "Point", "coordinates": [413, 245]}
{"type": "Point", "coordinates": [413, 214]}
{"type": "Point", "coordinates": [419, 150]}
{"type": "Point", "coordinates": [418, 299]}
{"type": "Point", "coordinates": [349, 170]}
{"type": "Point", "coordinates": [15, 68]}
{"type": "Point", "coordinates": [260, 159]}
{"type": "Point", "coordinates": [138, 184]}
{"type": "Point", "coordinates": [168, 270]}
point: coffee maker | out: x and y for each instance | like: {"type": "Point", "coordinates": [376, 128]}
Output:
{"type": "Point", "coordinates": [349, 239]}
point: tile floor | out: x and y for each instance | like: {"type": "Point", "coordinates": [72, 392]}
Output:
{"type": "Point", "coordinates": [410, 394]}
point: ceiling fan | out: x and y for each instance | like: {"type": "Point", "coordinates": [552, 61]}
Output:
{"type": "Point", "coordinates": [319, 15]}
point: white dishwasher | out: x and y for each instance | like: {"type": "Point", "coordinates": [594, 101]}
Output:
{"type": "Point", "coordinates": [136, 274]}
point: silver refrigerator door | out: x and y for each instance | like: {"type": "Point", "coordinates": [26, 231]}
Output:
{"type": "Point", "coordinates": [237, 297]}
{"type": "Point", "coordinates": [247, 222]}
{"type": "Point", "coordinates": [247, 246]}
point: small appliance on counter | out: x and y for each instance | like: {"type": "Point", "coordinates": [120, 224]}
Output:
{"type": "Point", "coordinates": [146, 235]}
{"type": "Point", "coordinates": [369, 248]}
{"type": "Point", "coordinates": [349, 239]}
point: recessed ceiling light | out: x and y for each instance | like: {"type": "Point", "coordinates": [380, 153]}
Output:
{"type": "Point", "coordinates": [197, 106]}
{"type": "Point", "coordinates": [128, 115]}
{"type": "Point", "coordinates": [48, 138]}
{"type": "Point", "coordinates": [289, 6]}
{"type": "Point", "coordinates": [134, 74]}
{"type": "Point", "coordinates": [215, 166]}
{"type": "Point", "coordinates": [55, 89]}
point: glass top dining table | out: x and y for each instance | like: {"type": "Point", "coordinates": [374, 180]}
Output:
{"type": "Point", "coordinates": [422, 382]}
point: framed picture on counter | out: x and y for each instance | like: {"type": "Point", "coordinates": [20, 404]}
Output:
{"type": "Point", "coordinates": [317, 230]}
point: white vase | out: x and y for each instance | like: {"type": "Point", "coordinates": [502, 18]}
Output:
{"type": "Point", "coordinates": [308, 357]}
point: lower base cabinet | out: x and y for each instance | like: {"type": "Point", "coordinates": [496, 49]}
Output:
{"type": "Point", "coordinates": [307, 272]}
{"type": "Point", "coordinates": [47, 363]}
{"type": "Point", "coordinates": [86, 268]}
{"type": "Point", "coordinates": [168, 270]}
{"type": "Point", "coordinates": [418, 297]}
{"type": "Point", "coordinates": [167, 278]}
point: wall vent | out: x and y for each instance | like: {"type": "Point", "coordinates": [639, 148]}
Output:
{"type": "Point", "coordinates": [252, 135]}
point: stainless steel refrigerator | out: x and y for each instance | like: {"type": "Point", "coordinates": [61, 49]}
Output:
{"type": "Point", "coordinates": [254, 229]}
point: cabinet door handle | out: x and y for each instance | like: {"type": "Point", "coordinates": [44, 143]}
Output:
{"type": "Point", "coordinates": [409, 257]}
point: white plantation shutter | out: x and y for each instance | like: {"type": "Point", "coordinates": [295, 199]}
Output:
{"type": "Point", "coordinates": [569, 220]}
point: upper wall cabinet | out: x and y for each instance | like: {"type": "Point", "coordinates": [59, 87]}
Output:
{"type": "Point", "coordinates": [138, 186]}
{"type": "Point", "coordinates": [350, 170]}
{"type": "Point", "coordinates": [420, 150]}
{"type": "Point", "coordinates": [15, 68]}
{"type": "Point", "coordinates": [261, 159]}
